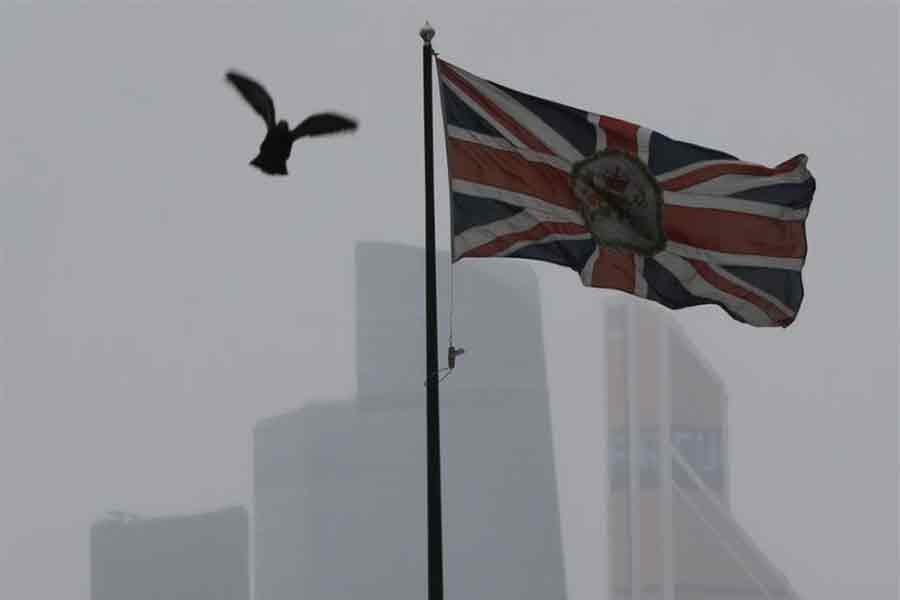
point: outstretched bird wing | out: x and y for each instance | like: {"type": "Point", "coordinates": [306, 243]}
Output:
{"type": "Point", "coordinates": [256, 95]}
{"type": "Point", "coordinates": [323, 124]}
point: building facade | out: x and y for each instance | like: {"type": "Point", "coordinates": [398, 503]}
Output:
{"type": "Point", "coordinates": [201, 557]}
{"type": "Point", "coordinates": [340, 487]}
{"type": "Point", "coordinates": [672, 534]}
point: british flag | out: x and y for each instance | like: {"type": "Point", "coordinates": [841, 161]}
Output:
{"type": "Point", "coordinates": [734, 231]}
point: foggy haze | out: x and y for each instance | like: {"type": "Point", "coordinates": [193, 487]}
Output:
{"type": "Point", "coordinates": [160, 297]}
{"type": "Point", "coordinates": [204, 556]}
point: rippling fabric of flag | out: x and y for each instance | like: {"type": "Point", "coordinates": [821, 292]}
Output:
{"type": "Point", "coordinates": [624, 206]}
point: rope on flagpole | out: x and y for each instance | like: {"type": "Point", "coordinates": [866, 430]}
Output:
{"type": "Point", "coordinates": [450, 316]}
{"type": "Point", "coordinates": [452, 351]}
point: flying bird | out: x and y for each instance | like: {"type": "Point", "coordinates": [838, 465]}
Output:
{"type": "Point", "coordinates": [276, 146]}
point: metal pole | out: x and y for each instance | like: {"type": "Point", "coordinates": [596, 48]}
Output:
{"type": "Point", "coordinates": [432, 414]}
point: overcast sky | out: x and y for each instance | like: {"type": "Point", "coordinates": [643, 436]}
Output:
{"type": "Point", "coordinates": [159, 296]}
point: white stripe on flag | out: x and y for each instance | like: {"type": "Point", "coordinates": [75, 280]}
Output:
{"type": "Point", "coordinates": [748, 207]}
{"type": "Point", "coordinates": [700, 164]}
{"type": "Point", "coordinates": [643, 144]}
{"type": "Point", "coordinates": [601, 133]}
{"type": "Point", "coordinates": [475, 237]}
{"type": "Point", "coordinates": [546, 210]}
{"type": "Point", "coordinates": [512, 139]}
{"type": "Point", "coordinates": [733, 183]}
{"type": "Point", "coordinates": [735, 260]}
{"type": "Point", "coordinates": [498, 143]}
{"type": "Point", "coordinates": [587, 271]}
{"type": "Point", "coordinates": [485, 234]}
{"type": "Point", "coordinates": [553, 237]}
{"type": "Point", "coordinates": [546, 134]}
{"type": "Point", "coordinates": [752, 289]}
{"type": "Point", "coordinates": [640, 282]}
{"type": "Point", "coordinates": [696, 285]}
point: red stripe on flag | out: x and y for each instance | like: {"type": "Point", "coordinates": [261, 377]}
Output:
{"type": "Point", "coordinates": [614, 269]}
{"type": "Point", "coordinates": [730, 168]}
{"type": "Point", "coordinates": [509, 171]}
{"type": "Point", "coordinates": [728, 286]}
{"type": "Point", "coordinates": [526, 137]}
{"type": "Point", "coordinates": [734, 233]}
{"type": "Point", "coordinates": [535, 234]}
{"type": "Point", "coordinates": [620, 135]}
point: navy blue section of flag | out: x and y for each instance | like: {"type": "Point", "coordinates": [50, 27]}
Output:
{"type": "Point", "coordinates": [735, 231]}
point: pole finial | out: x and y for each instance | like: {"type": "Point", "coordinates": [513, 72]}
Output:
{"type": "Point", "coordinates": [427, 33]}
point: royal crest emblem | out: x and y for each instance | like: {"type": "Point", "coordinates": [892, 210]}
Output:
{"type": "Point", "coordinates": [621, 201]}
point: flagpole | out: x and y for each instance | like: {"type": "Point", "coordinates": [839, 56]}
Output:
{"type": "Point", "coordinates": [432, 414]}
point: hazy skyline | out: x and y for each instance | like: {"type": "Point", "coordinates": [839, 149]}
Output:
{"type": "Point", "coordinates": [199, 556]}
{"type": "Point", "coordinates": [160, 296]}
{"type": "Point", "coordinates": [687, 537]}
{"type": "Point", "coordinates": [343, 484]}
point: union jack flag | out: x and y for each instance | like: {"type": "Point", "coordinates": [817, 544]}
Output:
{"type": "Point", "coordinates": [734, 231]}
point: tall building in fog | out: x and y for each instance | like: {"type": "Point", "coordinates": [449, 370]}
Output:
{"type": "Point", "coordinates": [201, 557]}
{"type": "Point", "coordinates": [339, 507]}
{"type": "Point", "coordinates": [672, 535]}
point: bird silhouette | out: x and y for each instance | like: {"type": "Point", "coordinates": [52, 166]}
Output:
{"type": "Point", "coordinates": [276, 146]}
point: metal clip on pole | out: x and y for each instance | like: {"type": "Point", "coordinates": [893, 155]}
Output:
{"type": "Point", "coordinates": [452, 353]}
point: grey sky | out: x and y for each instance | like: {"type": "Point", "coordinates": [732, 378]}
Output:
{"type": "Point", "coordinates": [160, 296]}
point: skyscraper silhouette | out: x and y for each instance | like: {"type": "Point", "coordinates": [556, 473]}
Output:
{"type": "Point", "coordinates": [672, 533]}
{"type": "Point", "coordinates": [340, 488]}
{"type": "Point", "coordinates": [201, 557]}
